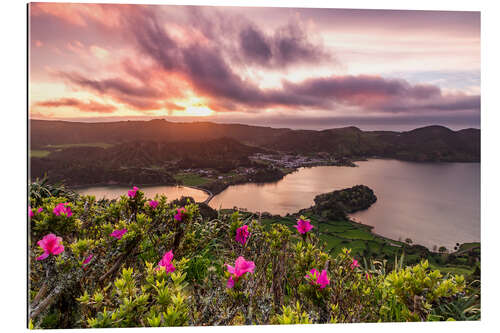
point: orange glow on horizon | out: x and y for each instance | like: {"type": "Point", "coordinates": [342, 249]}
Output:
{"type": "Point", "coordinates": [197, 110]}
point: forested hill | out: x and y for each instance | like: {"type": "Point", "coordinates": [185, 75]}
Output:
{"type": "Point", "coordinates": [62, 132]}
{"type": "Point", "coordinates": [141, 162]}
{"type": "Point", "coordinates": [431, 143]}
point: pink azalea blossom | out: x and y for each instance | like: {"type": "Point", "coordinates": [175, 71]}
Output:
{"type": "Point", "coordinates": [242, 234]}
{"type": "Point", "coordinates": [153, 204]}
{"type": "Point", "coordinates": [63, 209]}
{"type": "Point", "coordinates": [131, 193]}
{"type": "Point", "coordinates": [31, 213]}
{"type": "Point", "coordinates": [303, 226]}
{"type": "Point", "coordinates": [166, 262]}
{"type": "Point", "coordinates": [181, 212]}
{"type": "Point", "coordinates": [50, 244]}
{"type": "Point", "coordinates": [87, 260]}
{"type": "Point", "coordinates": [354, 264]}
{"type": "Point", "coordinates": [118, 233]}
{"type": "Point", "coordinates": [230, 283]}
{"type": "Point", "coordinates": [368, 276]}
{"type": "Point", "coordinates": [317, 278]}
{"type": "Point", "coordinates": [241, 266]}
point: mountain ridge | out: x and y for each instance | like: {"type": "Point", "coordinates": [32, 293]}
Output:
{"type": "Point", "coordinates": [429, 143]}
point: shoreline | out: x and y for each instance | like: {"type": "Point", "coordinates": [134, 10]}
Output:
{"type": "Point", "coordinates": [359, 222]}
{"type": "Point", "coordinates": [210, 194]}
{"type": "Point", "coordinates": [78, 187]}
{"type": "Point", "coordinates": [291, 170]}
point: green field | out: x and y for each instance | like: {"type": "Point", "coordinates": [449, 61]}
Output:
{"type": "Point", "coordinates": [337, 234]}
{"type": "Point", "coordinates": [465, 270]}
{"type": "Point", "coordinates": [49, 148]}
{"type": "Point", "coordinates": [191, 179]}
{"type": "Point", "coordinates": [69, 145]}
{"type": "Point", "coordinates": [39, 153]}
{"type": "Point", "coordinates": [468, 246]}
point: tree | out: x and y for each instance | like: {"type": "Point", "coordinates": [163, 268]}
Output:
{"type": "Point", "coordinates": [443, 249]}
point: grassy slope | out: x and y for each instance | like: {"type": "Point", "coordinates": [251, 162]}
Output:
{"type": "Point", "coordinates": [39, 153]}
{"type": "Point", "coordinates": [69, 145]}
{"type": "Point", "coordinates": [359, 238]}
{"type": "Point", "coordinates": [191, 179]}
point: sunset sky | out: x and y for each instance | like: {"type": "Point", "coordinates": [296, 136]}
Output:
{"type": "Point", "coordinates": [280, 67]}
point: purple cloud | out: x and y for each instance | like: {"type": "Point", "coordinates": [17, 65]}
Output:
{"type": "Point", "coordinates": [89, 106]}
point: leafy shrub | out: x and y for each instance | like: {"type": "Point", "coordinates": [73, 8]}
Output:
{"type": "Point", "coordinates": [412, 291]}
{"type": "Point", "coordinates": [292, 316]}
{"type": "Point", "coordinates": [41, 189]}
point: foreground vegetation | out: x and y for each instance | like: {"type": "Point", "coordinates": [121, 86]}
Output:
{"type": "Point", "coordinates": [149, 262]}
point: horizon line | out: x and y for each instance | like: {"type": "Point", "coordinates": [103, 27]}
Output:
{"type": "Point", "coordinates": [196, 121]}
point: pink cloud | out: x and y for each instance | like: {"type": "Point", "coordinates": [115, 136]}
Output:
{"type": "Point", "coordinates": [75, 47]}
{"type": "Point", "coordinates": [81, 15]}
{"type": "Point", "coordinates": [99, 52]}
{"type": "Point", "coordinates": [89, 106]}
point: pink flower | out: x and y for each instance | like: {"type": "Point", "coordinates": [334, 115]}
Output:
{"type": "Point", "coordinates": [230, 282]}
{"type": "Point", "coordinates": [87, 260]}
{"type": "Point", "coordinates": [63, 209]}
{"type": "Point", "coordinates": [319, 279]}
{"type": "Point", "coordinates": [118, 233]}
{"type": "Point", "coordinates": [166, 262]}
{"type": "Point", "coordinates": [241, 266]}
{"type": "Point", "coordinates": [354, 264]}
{"type": "Point", "coordinates": [131, 193]}
{"type": "Point", "coordinates": [50, 244]}
{"type": "Point", "coordinates": [153, 204]}
{"type": "Point", "coordinates": [242, 234]}
{"type": "Point", "coordinates": [303, 226]}
{"type": "Point", "coordinates": [368, 276]}
{"type": "Point", "coordinates": [181, 212]}
{"type": "Point", "coordinates": [31, 213]}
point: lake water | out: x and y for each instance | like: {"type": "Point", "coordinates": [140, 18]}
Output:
{"type": "Point", "coordinates": [172, 192]}
{"type": "Point", "coordinates": [434, 204]}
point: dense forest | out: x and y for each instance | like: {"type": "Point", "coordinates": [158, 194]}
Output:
{"type": "Point", "coordinates": [140, 162]}
{"type": "Point", "coordinates": [432, 143]}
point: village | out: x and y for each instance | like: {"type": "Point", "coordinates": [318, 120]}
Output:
{"type": "Point", "coordinates": [296, 161]}
{"type": "Point", "coordinates": [285, 162]}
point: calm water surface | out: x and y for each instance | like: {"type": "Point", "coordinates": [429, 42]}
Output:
{"type": "Point", "coordinates": [172, 192]}
{"type": "Point", "coordinates": [431, 203]}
